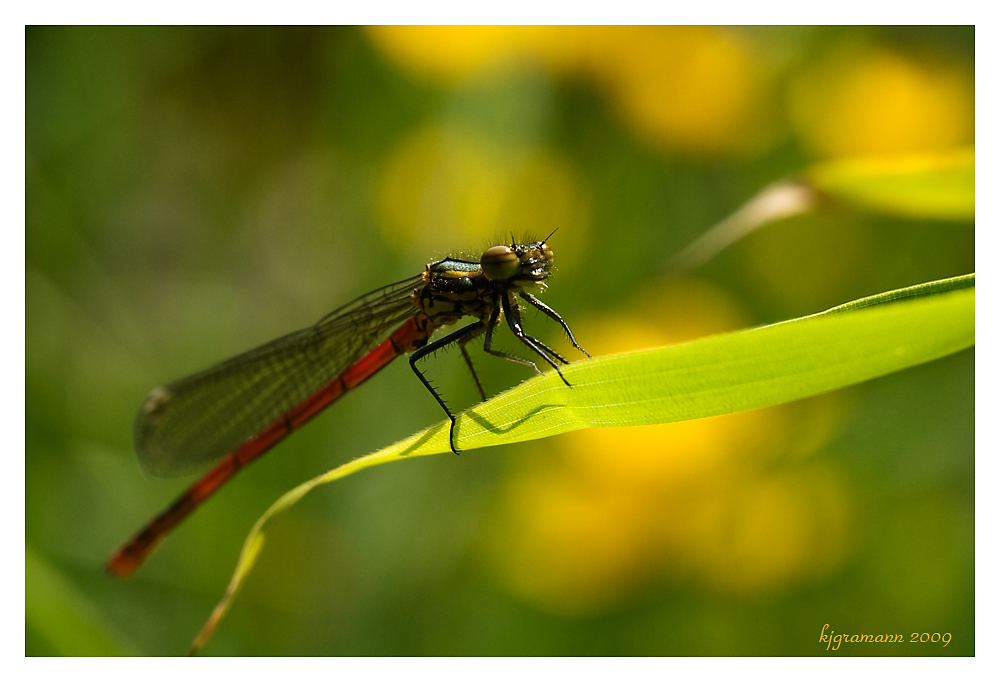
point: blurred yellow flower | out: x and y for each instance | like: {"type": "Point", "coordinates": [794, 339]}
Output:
{"type": "Point", "coordinates": [448, 53]}
{"type": "Point", "coordinates": [684, 88]}
{"type": "Point", "coordinates": [773, 529]}
{"type": "Point", "coordinates": [880, 102]}
{"type": "Point", "coordinates": [444, 186]}
{"type": "Point", "coordinates": [569, 545]}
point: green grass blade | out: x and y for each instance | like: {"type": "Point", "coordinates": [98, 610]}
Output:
{"type": "Point", "coordinates": [927, 289]}
{"type": "Point", "coordinates": [717, 375]}
{"type": "Point", "coordinates": [727, 373]}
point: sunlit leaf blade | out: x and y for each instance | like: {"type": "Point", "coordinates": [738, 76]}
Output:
{"type": "Point", "coordinates": [744, 370]}
{"type": "Point", "coordinates": [941, 187]}
{"type": "Point", "coordinates": [940, 286]}
{"type": "Point", "coordinates": [728, 373]}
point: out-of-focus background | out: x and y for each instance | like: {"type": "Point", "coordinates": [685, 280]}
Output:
{"type": "Point", "coordinates": [193, 192]}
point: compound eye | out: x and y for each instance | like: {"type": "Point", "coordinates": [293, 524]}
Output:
{"type": "Point", "coordinates": [499, 262]}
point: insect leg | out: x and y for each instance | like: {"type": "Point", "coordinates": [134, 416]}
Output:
{"type": "Point", "coordinates": [555, 316]}
{"type": "Point", "coordinates": [513, 314]}
{"type": "Point", "coordinates": [467, 332]}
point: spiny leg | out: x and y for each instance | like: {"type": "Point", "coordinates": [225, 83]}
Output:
{"type": "Point", "coordinates": [488, 345]}
{"type": "Point", "coordinates": [471, 331]}
{"type": "Point", "coordinates": [551, 352]}
{"type": "Point", "coordinates": [513, 314]}
{"type": "Point", "coordinates": [468, 360]}
{"type": "Point", "coordinates": [514, 358]}
{"type": "Point", "coordinates": [555, 316]}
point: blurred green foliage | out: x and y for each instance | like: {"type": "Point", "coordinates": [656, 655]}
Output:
{"type": "Point", "coordinates": [192, 192]}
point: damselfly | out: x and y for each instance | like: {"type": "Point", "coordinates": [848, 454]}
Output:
{"type": "Point", "coordinates": [242, 407]}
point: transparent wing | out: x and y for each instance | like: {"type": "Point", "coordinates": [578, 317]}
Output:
{"type": "Point", "coordinates": [203, 417]}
